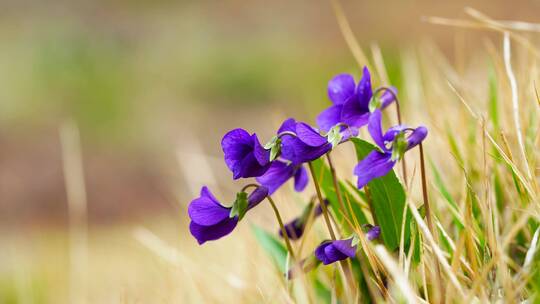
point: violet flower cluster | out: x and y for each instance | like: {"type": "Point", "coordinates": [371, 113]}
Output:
{"type": "Point", "coordinates": [284, 157]}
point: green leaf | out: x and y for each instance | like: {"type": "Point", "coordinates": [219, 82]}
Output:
{"type": "Point", "coordinates": [273, 247]}
{"type": "Point", "coordinates": [387, 201]}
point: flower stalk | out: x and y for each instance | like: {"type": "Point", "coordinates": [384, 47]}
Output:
{"type": "Point", "coordinates": [282, 227]}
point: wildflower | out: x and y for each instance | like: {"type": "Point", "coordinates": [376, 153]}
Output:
{"type": "Point", "coordinates": [210, 220]}
{"type": "Point", "coordinates": [306, 145]}
{"type": "Point", "coordinates": [373, 233]}
{"type": "Point", "coordinates": [295, 228]}
{"type": "Point", "coordinates": [352, 103]}
{"type": "Point", "coordinates": [379, 163]}
{"type": "Point", "coordinates": [280, 172]}
{"type": "Point", "coordinates": [244, 155]}
{"type": "Point", "coordinates": [329, 252]}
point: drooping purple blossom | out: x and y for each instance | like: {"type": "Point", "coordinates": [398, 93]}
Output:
{"type": "Point", "coordinates": [392, 145]}
{"type": "Point", "coordinates": [210, 220]}
{"type": "Point", "coordinates": [351, 102]}
{"type": "Point", "coordinates": [280, 172]}
{"type": "Point", "coordinates": [373, 233]}
{"type": "Point", "coordinates": [329, 252]}
{"type": "Point", "coordinates": [306, 145]}
{"type": "Point", "coordinates": [244, 155]}
{"type": "Point", "coordinates": [295, 228]}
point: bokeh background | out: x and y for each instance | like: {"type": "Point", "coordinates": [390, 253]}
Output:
{"type": "Point", "coordinates": [141, 92]}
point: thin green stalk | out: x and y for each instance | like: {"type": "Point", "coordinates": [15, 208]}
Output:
{"type": "Point", "coordinates": [321, 201]}
{"type": "Point", "coordinates": [282, 227]}
{"type": "Point", "coordinates": [336, 185]}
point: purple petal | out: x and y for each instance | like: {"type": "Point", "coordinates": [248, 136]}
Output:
{"type": "Point", "coordinates": [391, 134]}
{"type": "Point", "coordinates": [309, 136]}
{"type": "Point", "coordinates": [305, 153]}
{"type": "Point", "coordinates": [236, 144]}
{"type": "Point", "coordinates": [206, 210]}
{"type": "Point", "coordinates": [288, 125]}
{"type": "Point", "coordinates": [387, 98]}
{"type": "Point", "coordinates": [373, 233]}
{"type": "Point", "coordinates": [340, 88]}
{"type": "Point", "coordinates": [348, 132]}
{"type": "Point", "coordinates": [375, 129]}
{"type": "Point", "coordinates": [333, 254]}
{"type": "Point", "coordinates": [353, 114]}
{"type": "Point", "coordinates": [278, 173]}
{"type": "Point", "coordinates": [329, 117]}
{"type": "Point", "coordinates": [417, 136]}
{"type": "Point", "coordinates": [261, 154]}
{"type": "Point", "coordinates": [363, 91]}
{"type": "Point", "coordinates": [376, 164]}
{"type": "Point", "coordinates": [294, 229]}
{"type": "Point", "coordinates": [210, 233]}
{"type": "Point", "coordinates": [320, 253]}
{"type": "Point", "coordinates": [257, 196]}
{"type": "Point", "coordinates": [250, 167]}
{"type": "Point", "coordinates": [300, 179]}
{"type": "Point", "coordinates": [345, 247]}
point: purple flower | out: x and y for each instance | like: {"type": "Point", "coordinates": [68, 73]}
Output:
{"type": "Point", "coordinates": [392, 144]}
{"type": "Point", "coordinates": [210, 220]}
{"type": "Point", "coordinates": [351, 102]}
{"type": "Point", "coordinates": [280, 172]}
{"type": "Point", "coordinates": [329, 252]}
{"type": "Point", "coordinates": [306, 146]}
{"type": "Point", "coordinates": [373, 233]}
{"type": "Point", "coordinates": [295, 228]}
{"type": "Point", "coordinates": [244, 155]}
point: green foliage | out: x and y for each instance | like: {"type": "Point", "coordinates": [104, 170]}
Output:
{"type": "Point", "coordinates": [387, 201]}
{"type": "Point", "coordinates": [273, 247]}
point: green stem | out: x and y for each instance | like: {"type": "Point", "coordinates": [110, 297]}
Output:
{"type": "Point", "coordinates": [282, 227]}
{"type": "Point", "coordinates": [321, 202]}
{"type": "Point", "coordinates": [336, 184]}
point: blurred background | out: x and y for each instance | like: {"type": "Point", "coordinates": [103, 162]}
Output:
{"type": "Point", "coordinates": [140, 94]}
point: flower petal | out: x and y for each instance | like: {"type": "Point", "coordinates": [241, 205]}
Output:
{"type": "Point", "coordinates": [373, 233]}
{"type": "Point", "coordinates": [309, 136]}
{"type": "Point", "coordinates": [206, 210]}
{"type": "Point", "coordinates": [376, 164]}
{"type": "Point", "coordinates": [363, 91]}
{"type": "Point", "coordinates": [333, 254]}
{"type": "Point", "coordinates": [294, 229]}
{"type": "Point", "coordinates": [278, 173]}
{"type": "Point", "coordinates": [340, 88]}
{"type": "Point", "coordinates": [345, 247]}
{"type": "Point", "coordinates": [261, 154]}
{"type": "Point", "coordinates": [305, 153]}
{"type": "Point", "coordinates": [353, 114]}
{"type": "Point", "coordinates": [375, 129]}
{"type": "Point", "coordinates": [320, 252]}
{"type": "Point", "coordinates": [329, 117]}
{"type": "Point", "coordinates": [257, 196]}
{"type": "Point", "coordinates": [417, 136]}
{"type": "Point", "coordinates": [236, 144]}
{"type": "Point", "coordinates": [300, 179]}
{"type": "Point", "coordinates": [210, 233]}
{"type": "Point", "coordinates": [387, 97]}
{"type": "Point", "coordinates": [288, 125]}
